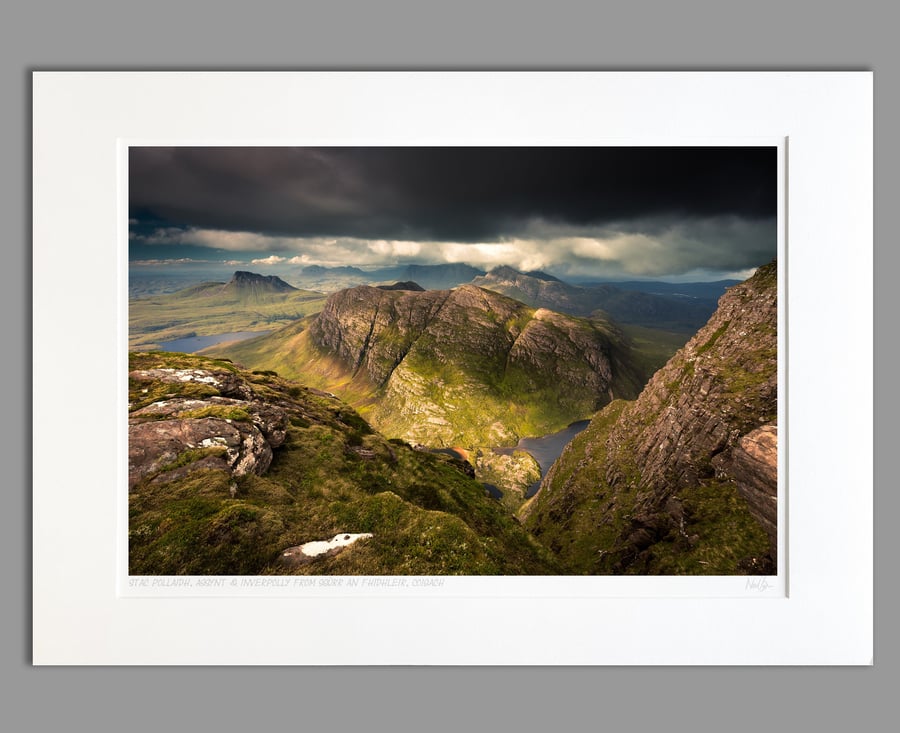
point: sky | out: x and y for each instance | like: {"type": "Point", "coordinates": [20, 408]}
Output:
{"type": "Point", "coordinates": [585, 212]}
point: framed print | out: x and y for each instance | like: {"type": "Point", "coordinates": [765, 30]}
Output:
{"type": "Point", "coordinates": [432, 349]}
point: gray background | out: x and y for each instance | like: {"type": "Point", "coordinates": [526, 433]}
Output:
{"type": "Point", "coordinates": [399, 35]}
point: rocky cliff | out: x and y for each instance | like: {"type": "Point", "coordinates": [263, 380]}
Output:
{"type": "Point", "coordinates": [669, 482]}
{"type": "Point", "coordinates": [469, 366]}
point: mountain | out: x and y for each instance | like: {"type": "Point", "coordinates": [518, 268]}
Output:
{"type": "Point", "coordinates": [663, 311]}
{"type": "Point", "coordinates": [320, 271]}
{"type": "Point", "coordinates": [432, 277]}
{"type": "Point", "coordinates": [247, 302]}
{"type": "Point", "coordinates": [683, 480]}
{"type": "Point", "coordinates": [455, 367]}
{"type": "Point", "coordinates": [714, 289]}
{"type": "Point", "coordinates": [408, 285]}
{"type": "Point", "coordinates": [252, 285]}
{"type": "Point", "coordinates": [236, 472]}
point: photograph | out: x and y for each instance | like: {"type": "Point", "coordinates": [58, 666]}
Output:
{"type": "Point", "coordinates": [448, 360]}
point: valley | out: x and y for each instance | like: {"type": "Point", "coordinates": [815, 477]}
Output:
{"type": "Point", "coordinates": [247, 302]}
{"type": "Point", "coordinates": [468, 390]}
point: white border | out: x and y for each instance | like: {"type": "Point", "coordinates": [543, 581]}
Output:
{"type": "Point", "coordinates": [448, 586]}
{"type": "Point", "coordinates": [78, 118]}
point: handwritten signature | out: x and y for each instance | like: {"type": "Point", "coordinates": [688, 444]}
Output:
{"type": "Point", "coordinates": [758, 584]}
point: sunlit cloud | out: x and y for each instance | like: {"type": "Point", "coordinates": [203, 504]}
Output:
{"type": "Point", "coordinates": [650, 248]}
{"type": "Point", "coordinates": [272, 260]}
{"type": "Point", "coordinates": [153, 263]}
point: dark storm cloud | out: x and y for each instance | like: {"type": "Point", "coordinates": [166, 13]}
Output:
{"type": "Point", "coordinates": [445, 194]}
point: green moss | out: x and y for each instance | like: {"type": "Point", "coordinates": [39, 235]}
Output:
{"type": "Point", "coordinates": [191, 455]}
{"type": "Point", "coordinates": [224, 412]}
{"type": "Point", "coordinates": [717, 537]}
{"type": "Point", "coordinates": [711, 341]}
{"type": "Point", "coordinates": [332, 474]}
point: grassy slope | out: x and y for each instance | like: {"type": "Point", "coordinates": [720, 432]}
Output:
{"type": "Point", "coordinates": [204, 310]}
{"type": "Point", "coordinates": [651, 348]}
{"type": "Point", "coordinates": [579, 516]}
{"type": "Point", "coordinates": [427, 517]}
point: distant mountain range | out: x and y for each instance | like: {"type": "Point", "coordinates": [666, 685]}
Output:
{"type": "Point", "coordinates": [664, 310]}
{"type": "Point", "coordinates": [714, 290]}
{"type": "Point", "coordinates": [430, 277]}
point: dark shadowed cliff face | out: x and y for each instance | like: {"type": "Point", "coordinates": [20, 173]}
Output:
{"type": "Point", "coordinates": [668, 483]}
{"type": "Point", "coordinates": [469, 366]}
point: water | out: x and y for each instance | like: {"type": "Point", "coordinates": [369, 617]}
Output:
{"type": "Point", "coordinates": [193, 344]}
{"type": "Point", "coordinates": [546, 449]}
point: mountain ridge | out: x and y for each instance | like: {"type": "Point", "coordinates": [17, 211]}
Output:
{"type": "Point", "coordinates": [465, 366]}
{"type": "Point", "coordinates": [625, 306]}
{"type": "Point", "coordinates": [684, 478]}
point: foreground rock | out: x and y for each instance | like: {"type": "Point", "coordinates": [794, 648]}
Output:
{"type": "Point", "coordinates": [172, 438]}
{"type": "Point", "coordinates": [753, 465]}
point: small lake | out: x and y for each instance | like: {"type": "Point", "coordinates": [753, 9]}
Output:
{"type": "Point", "coordinates": [546, 449]}
{"type": "Point", "coordinates": [192, 344]}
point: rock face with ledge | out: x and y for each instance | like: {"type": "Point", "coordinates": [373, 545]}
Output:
{"type": "Point", "coordinates": [753, 465]}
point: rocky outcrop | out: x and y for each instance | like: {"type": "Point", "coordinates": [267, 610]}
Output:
{"type": "Point", "coordinates": [447, 363]}
{"type": "Point", "coordinates": [720, 386]}
{"type": "Point", "coordinates": [512, 474]}
{"type": "Point", "coordinates": [171, 438]}
{"type": "Point", "coordinates": [406, 285]}
{"type": "Point", "coordinates": [224, 382]}
{"type": "Point", "coordinates": [371, 329]}
{"type": "Point", "coordinates": [753, 466]}
{"type": "Point", "coordinates": [706, 419]}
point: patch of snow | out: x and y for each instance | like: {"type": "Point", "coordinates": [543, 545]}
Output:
{"type": "Point", "coordinates": [320, 547]}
